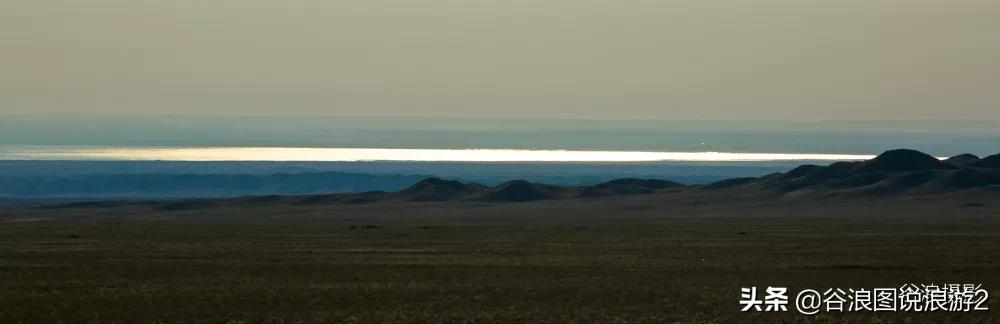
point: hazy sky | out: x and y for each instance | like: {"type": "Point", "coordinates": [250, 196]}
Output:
{"type": "Point", "coordinates": [704, 59]}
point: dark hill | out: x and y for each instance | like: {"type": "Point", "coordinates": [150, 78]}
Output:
{"type": "Point", "coordinates": [643, 183]}
{"type": "Point", "coordinates": [973, 178]}
{"type": "Point", "coordinates": [435, 189]}
{"type": "Point", "coordinates": [992, 161]}
{"type": "Point", "coordinates": [520, 190]}
{"type": "Point", "coordinates": [729, 183]}
{"type": "Point", "coordinates": [836, 170]}
{"type": "Point", "coordinates": [891, 172]}
{"type": "Point", "coordinates": [201, 185]}
{"type": "Point", "coordinates": [627, 186]}
{"type": "Point", "coordinates": [901, 160]}
{"type": "Point", "coordinates": [962, 160]}
{"type": "Point", "coordinates": [801, 171]}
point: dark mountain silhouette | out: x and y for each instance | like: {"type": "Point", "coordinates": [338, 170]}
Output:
{"type": "Point", "coordinates": [520, 190]}
{"type": "Point", "coordinates": [436, 189]}
{"type": "Point", "coordinates": [962, 160]}
{"type": "Point", "coordinates": [729, 183]}
{"type": "Point", "coordinates": [992, 161]}
{"type": "Point", "coordinates": [654, 184]}
{"type": "Point", "coordinates": [901, 160]}
{"type": "Point", "coordinates": [973, 178]}
{"type": "Point", "coordinates": [198, 185]}
{"type": "Point", "coordinates": [893, 172]}
{"type": "Point", "coordinates": [836, 170]}
{"type": "Point", "coordinates": [800, 171]}
{"type": "Point", "coordinates": [627, 186]}
{"type": "Point", "coordinates": [847, 174]}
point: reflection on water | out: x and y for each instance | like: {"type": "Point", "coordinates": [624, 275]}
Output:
{"type": "Point", "coordinates": [373, 154]}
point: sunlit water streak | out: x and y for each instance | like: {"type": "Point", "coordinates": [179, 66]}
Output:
{"type": "Point", "coordinates": [411, 155]}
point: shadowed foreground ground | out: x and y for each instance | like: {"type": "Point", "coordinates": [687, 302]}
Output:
{"type": "Point", "coordinates": [652, 259]}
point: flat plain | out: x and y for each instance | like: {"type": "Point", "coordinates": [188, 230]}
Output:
{"type": "Point", "coordinates": [669, 257]}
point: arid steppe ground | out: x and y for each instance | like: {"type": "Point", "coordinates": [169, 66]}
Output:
{"type": "Point", "coordinates": [669, 257]}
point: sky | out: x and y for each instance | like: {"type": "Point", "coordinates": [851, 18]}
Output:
{"type": "Point", "coordinates": [798, 60]}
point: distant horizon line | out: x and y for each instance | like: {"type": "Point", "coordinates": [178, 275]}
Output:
{"type": "Point", "coordinates": [314, 154]}
{"type": "Point", "coordinates": [584, 118]}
